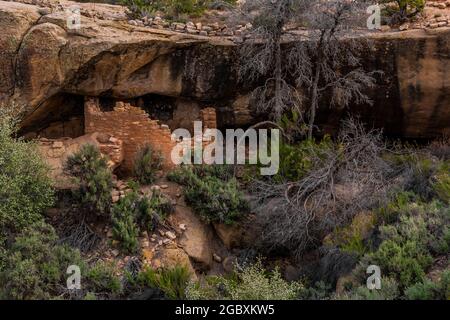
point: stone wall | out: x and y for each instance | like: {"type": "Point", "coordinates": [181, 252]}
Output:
{"type": "Point", "coordinates": [133, 126]}
{"type": "Point", "coordinates": [208, 117]}
{"type": "Point", "coordinates": [56, 151]}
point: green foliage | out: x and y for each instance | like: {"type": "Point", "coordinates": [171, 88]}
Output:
{"type": "Point", "coordinates": [252, 282]}
{"type": "Point", "coordinates": [319, 291]}
{"type": "Point", "coordinates": [406, 8]}
{"type": "Point", "coordinates": [441, 186]}
{"type": "Point", "coordinates": [295, 160]}
{"type": "Point", "coordinates": [172, 281]}
{"type": "Point", "coordinates": [354, 244]}
{"type": "Point", "coordinates": [102, 277]}
{"type": "Point", "coordinates": [36, 265]}
{"type": "Point", "coordinates": [124, 226]}
{"type": "Point", "coordinates": [420, 231]}
{"type": "Point", "coordinates": [426, 176]}
{"type": "Point", "coordinates": [171, 9]}
{"type": "Point", "coordinates": [214, 199]}
{"type": "Point", "coordinates": [26, 190]}
{"type": "Point", "coordinates": [146, 164]}
{"type": "Point", "coordinates": [134, 212]}
{"type": "Point", "coordinates": [91, 171]}
{"type": "Point", "coordinates": [389, 291]}
{"type": "Point", "coordinates": [350, 238]}
{"type": "Point", "coordinates": [406, 260]}
{"type": "Point", "coordinates": [390, 212]}
{"type": "Point", "coordinates": [429, 290]}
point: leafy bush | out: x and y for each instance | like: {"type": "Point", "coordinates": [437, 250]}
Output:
{"type": "Point", "coordinates": [424, 175]}
{"type": "Point", "coordinates": [124, 226]}
{"type": "Point", "coordinates": [172, 281]}
{"type": "Point", "coordinates": [441, 185]}
{"type": "Point", "coordinates": [170, 8]}
{"type": "Point", "coordinates": [429, 290]}
{"type": "Point", "coordinates": [251, 282]}
{"type": "Point", "coordinates": [26, 190]}
{"type": "Point", "coordinates": [36, 265]}
{"type": "Point", "coordinates": [214, 199]}
{"type": "Point", "coordinates": [389, 291]}
{"type": "Point", "coordinates": [146, 164]}
{"type": "Point", "coordinates": [319, 291]}
{"type": "Point", "coordinates": [351, 238]}
{"type": "Point", "coordinates": [420, 231]}
{"type": "Point", "coordinates": [407, 260]}
{"type": "Point", "coordinates": [296, 160]}
{"type": "Point", "coordinates": [91, 171]}
{"type": "Point", "coordinates": [134, 212]}
{"type": "Point", "coordinates": [405, 8]}
{"type": "Point", "coordinates": [102, 278]}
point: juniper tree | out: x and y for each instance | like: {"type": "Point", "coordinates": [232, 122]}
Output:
{"type": "Point", "coordinates": [322, 60]}
{"type": "Point", "coordinates": [262, 56]}
{"type": "Point", "coordinates": [328, 63]}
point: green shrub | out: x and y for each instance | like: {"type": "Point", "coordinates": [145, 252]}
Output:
{"type": "Point", "coordinates": [214, 199]}
{"type": "Point", "coordinates": [252, 282]}
{"type": "Point", "coordinates": [91, 171]}
{"type": "Point", "coordinates": [172, 281]}
{"type": "Point", "coordinates": [406, 8]}
{"type": "Point", "coordinates": [26, 190]}
{"type": "Point", "coordinates": [423, 174]}
{"type": "Point", "coordinates": [124, 225]}
{"type": "Point", "coordinates": [295, 159]}
{"type": "Point", "coordinates": [36, 265]}
{"type": "Point", "coordinates": [428, 290]}
{"type": "Point", "coordinates": [171, 9]}
{"type": "Point", "coordinates": [146, 164]}
{"type": "Point", "coordinates": [420, 231]}
{"type": "Point", "coordinates": [441, 185]}
{"type": "Point", "coordinates": [153, 210]}
{"type": "Point", "coordinates": [102, 277]}
{"type": "Point", "coordinates": [351, 238]}
{"type": "Point", "coordinates": [354, 244]}
{"type": "Point", "coordinates": [133, 212]}
{"type": "Point", "coordinates": [391, 211]}
{"type": "Point", "coordinates": [389, 291]}
{"type": "Point", "coordinates": [408, 261]}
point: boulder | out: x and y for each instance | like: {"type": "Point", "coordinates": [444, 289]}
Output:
{"type": "Point", "coordinates": [230, 235]}
{"type": "Point", "coordinates": [197, 239]}
{"type": "Point", "coordinates": [168, 257]}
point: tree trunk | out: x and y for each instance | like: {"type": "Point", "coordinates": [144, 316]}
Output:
{"type": "Point", "coordinates": [278, 97]}
{"type": "Point", "coordinates": [314, 102]}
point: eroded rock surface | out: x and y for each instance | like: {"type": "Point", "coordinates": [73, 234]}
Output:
{"type": "Point", "coordinates": [56, 151]}
{"type": "Point", "coordinates": [41, 59]}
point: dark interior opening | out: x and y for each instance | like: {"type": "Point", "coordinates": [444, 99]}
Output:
{"type": "Point", "coordinates": [60, 116]}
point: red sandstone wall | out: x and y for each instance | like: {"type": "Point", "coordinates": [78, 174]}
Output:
{"type": "Point", "coordinates": [133, 126]}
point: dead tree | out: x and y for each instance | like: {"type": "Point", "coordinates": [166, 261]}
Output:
{"type": "Point", "coordinates": [262, 56]}
{"type": "Point", "coordinates": [323, 60]}
{"type": "Point", "coordinates": [347, 177]}
{"type": "Point", "coordinates": [328, 63]}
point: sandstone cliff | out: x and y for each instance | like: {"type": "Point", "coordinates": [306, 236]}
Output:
{"type": "Point", "coordinates": [50, 69]}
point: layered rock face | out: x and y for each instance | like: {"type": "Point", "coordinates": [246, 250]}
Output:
{"type": "Point", "coordinates": [48, 67]}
